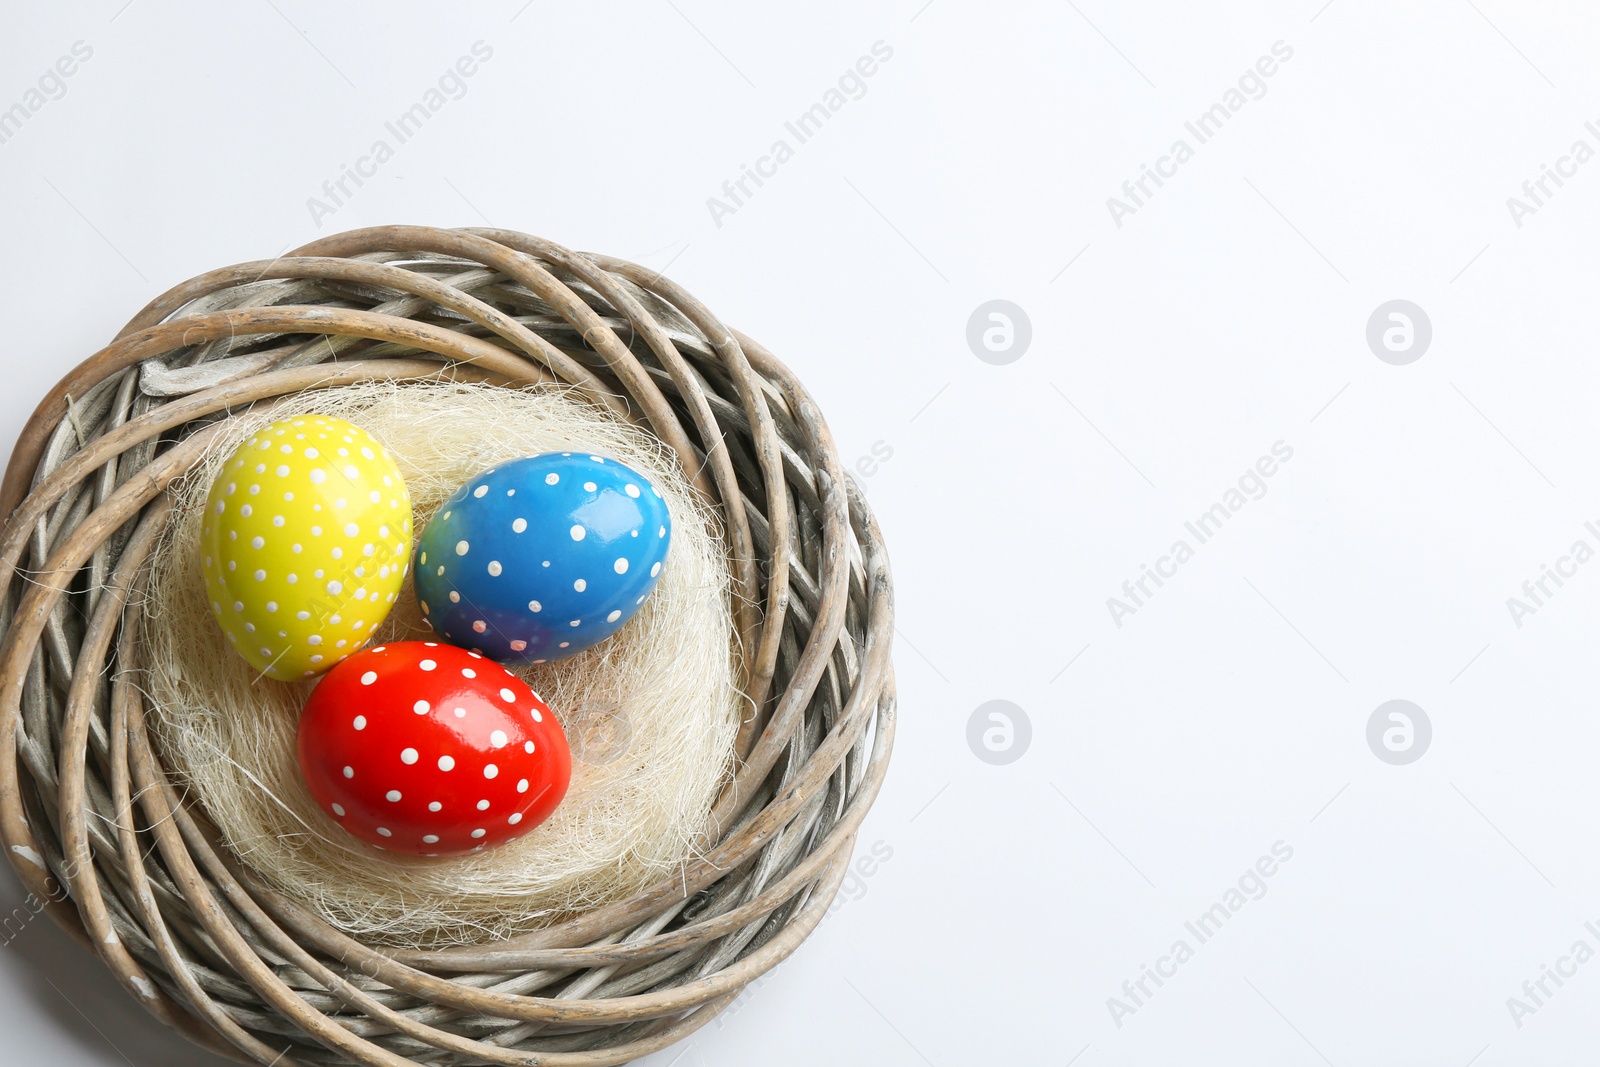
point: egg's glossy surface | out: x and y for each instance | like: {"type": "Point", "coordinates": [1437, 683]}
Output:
{"type": "Point", "coordinates": [542, 557]}
{"type": "Point", "coordinates": [425, 748]}
{"type": "Point", "coordinates": [305, 542]}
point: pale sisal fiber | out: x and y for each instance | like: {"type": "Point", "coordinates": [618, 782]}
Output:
{"type": "Point", "coordinates": [654, 710]}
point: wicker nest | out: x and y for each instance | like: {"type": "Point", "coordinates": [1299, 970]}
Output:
{"type": "Point", "coordinates": [93, 823]}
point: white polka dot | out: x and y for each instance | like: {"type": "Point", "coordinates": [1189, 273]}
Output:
{"type": "Point", "coordinates": [490, 770]}
{"type": "Point", "coordinates": [351, 529]}
{"type": "Point", "coordinates": [455, 597]}
{"type": "Point", "coordinates": [360, 722]}
{"type": "Point", "coordinates": [447, 763]}
{"type": "Point", "coordinates": [632, 490]}
{"type": "Point", "coordinates": [351, 473]}
{"type": "Point", "coordinates": [421, 707]}
{"type": "Point", "coordinates": [427, 665]}
{"type": "Point", "coordinates": [314, 639]}
{"type": "Point", "coordinates": [614, 616]}
{"type": "Point", "coordinates": [338, 809]}
{"type": "Point", "coordinates": [589, 487]}
{"type": "Point", "coordinates": [384, 832]}
{"type": "Point", "coordinates": [335, 586]}
{"type": "Point", "coordinates": [478, 492]}
{"type": "Point", "coordinates": [461, 548]}
{"type": "Point", "coordinates": [661, 532]}
{"type": "Point", "coordinates": [277, 520]}
{"type": "Point", "coordinates": [258, 542]}
{"type": "Point", "coordinates": [498, 739]}
{"type": "Point", "coordinates": [272, 606]}
{"type": "Point", "coordinates": [551, 479]}
{"type": "Point", "coordinates": [535, 606]}
{"type": "Point", "coordinates": [430, 839]}
{"type": "Point", "coordinates": [620, 566]}
{"type": "Point", "coordinates": [580, 585]}
{"type": "Point", "coordinates": [478, 833]}
{"type": "Point", "coordinates": [655, 569]}
{"type": "Point", "coordinates": [508, 696]}
{"type": "Point", "coordinates": [318, 475]}
{"type": "Point", "coordinates": [392, 796]}
{"type": "Point", "coordinates": [468, 672]}
{"type": "Point", "coordinates": [435, 806]}
{"type": "Point", "coordinates": [522, 786]}
{"type": "Point", "coordinates": [575, 623]}
{"type": "Point", "coordinates": [518, 525]}
{"type": "Point", "coordinates": [349, 772]}
{"type": "Point", "coordinates": [578, 533]}
{"type": "Point", "coordinates": [494, 568]}
{"type": "Point", "coordinates": [461, 713]}
{"type": "Point", "coordinates": [408, 755]}
{"type": "Point", "coordinates": [515, 818]}
{"type": "Point", "coordinates": [261, 576]}
{"type": "Point", "coordinates": [518, 646]}
{"type": "Point", "coordinates": [483, 805]}
{"type": "Point", "coordinates": [479, 626]}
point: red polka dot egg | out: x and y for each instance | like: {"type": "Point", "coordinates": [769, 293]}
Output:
{"type": "Point", "coordinates": [430, 749]}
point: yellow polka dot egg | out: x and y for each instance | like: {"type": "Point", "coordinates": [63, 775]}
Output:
{"type": "Point", "coordinates": [305, 542]}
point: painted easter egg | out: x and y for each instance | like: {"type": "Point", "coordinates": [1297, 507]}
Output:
{"type": "Point", "coordinates": [425, 748]}
{"type": "Point", "coordinates": [542, 557]}
{"type": "Point", "coordinates": [305, 542]}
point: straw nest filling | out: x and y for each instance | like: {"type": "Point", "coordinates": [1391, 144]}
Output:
{"type": "Point", "coordinates": [651, 714]}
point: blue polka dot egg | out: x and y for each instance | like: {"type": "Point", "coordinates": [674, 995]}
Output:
{"type": "Point", "coordinates": [542, 557]}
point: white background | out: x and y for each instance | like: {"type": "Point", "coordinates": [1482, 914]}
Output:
{"type": "Point", "coordinates": [1167, 354]}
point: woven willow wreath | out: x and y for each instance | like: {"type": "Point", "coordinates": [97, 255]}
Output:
{"type": "Point", "coordinates": [100, 836]}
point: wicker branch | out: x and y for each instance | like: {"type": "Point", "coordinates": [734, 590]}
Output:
{"type": "Point", "coordinates": [92, 821]}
